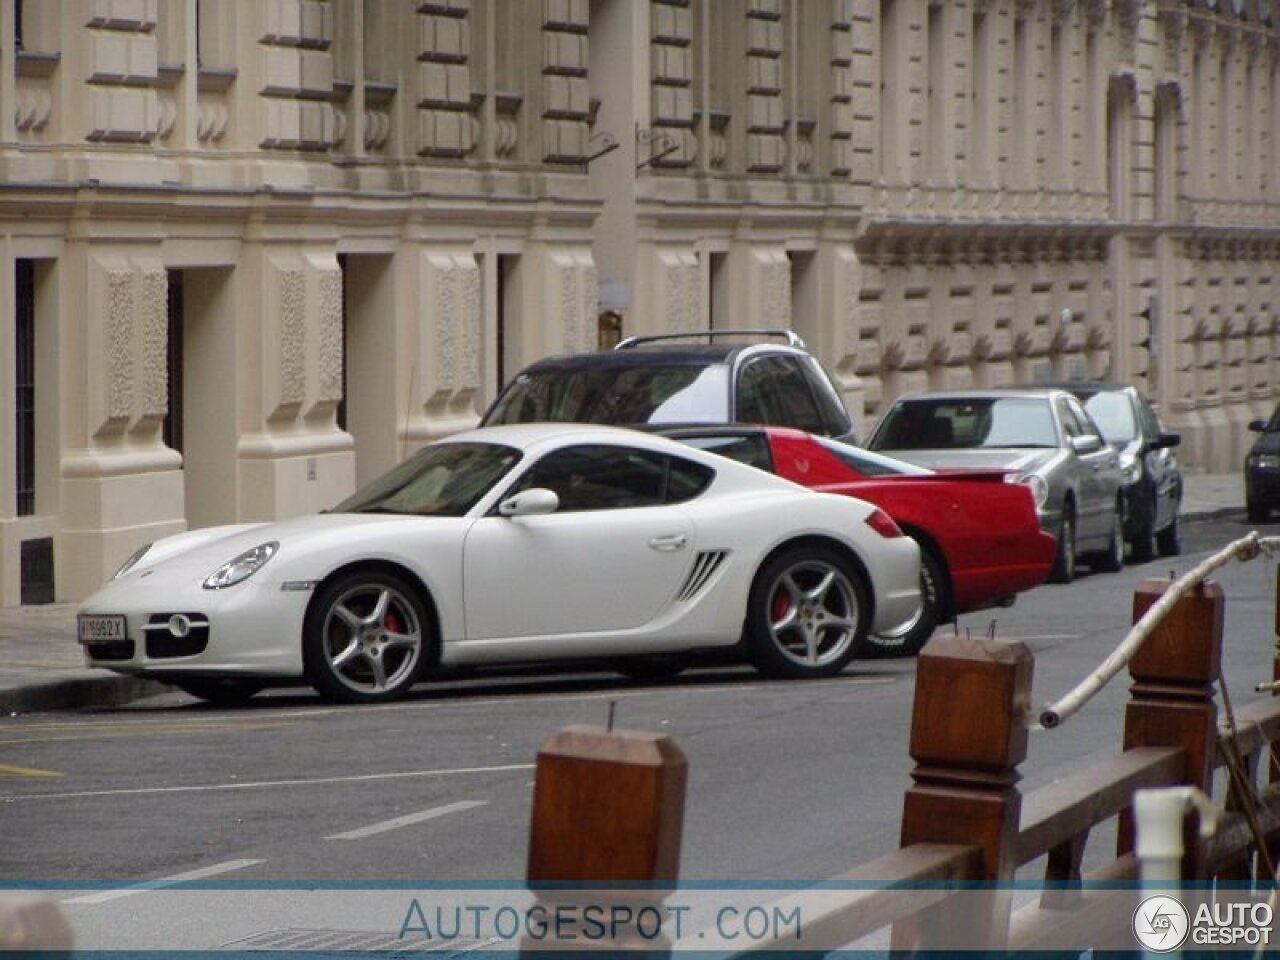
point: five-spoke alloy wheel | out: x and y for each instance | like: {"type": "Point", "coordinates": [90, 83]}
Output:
{"type": "Point", "coordinates": [807, 613]}
{"type": "Point", "coordinates": [366, 637]}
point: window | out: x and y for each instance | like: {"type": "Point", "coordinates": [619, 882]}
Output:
{"type": "Point", "coordinates": [829, 404]}
{"type": "Point", "coordinates": [751, 449]}
{"type": "Point", "coordinates": [601, 477]}
{"type": "Point", "coordinates": [774, 390]}
{"type": "Point", "coordinates": [25, 387]}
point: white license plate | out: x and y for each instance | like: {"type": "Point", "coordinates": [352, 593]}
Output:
{"type": "Point", "coordinates": [101, 629]}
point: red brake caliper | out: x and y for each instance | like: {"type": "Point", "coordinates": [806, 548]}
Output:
{"type": "Point", "coordinates": [781, 605]}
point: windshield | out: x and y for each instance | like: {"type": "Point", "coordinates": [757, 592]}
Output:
{"type": "Point", "coordinates": [967, 423]}
{"type": "Point", "coordinates": [652, 393]}
{"type": "Point", "coordinates": [1114, 416]}
{"type": "Point", "coordinates": [444, 479]}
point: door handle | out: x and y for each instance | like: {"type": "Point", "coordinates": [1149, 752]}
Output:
{"type": "Point", "coordinates": [670, 543]}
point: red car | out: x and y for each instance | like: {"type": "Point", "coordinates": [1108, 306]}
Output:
{"type": "Point", "coordinates": [980, 538]}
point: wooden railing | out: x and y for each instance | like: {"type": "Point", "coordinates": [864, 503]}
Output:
{"type": "Point", "coordinates": [964, 820]}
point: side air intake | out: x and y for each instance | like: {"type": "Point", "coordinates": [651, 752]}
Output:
{"type": "Point", "coordinates": [706, 563]}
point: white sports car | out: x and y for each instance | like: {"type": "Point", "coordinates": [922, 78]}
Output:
{"type": "Point", "coordinates": [505, 545]}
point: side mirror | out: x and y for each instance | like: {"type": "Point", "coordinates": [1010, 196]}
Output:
{"type": "Point", "coordinates": [530, 503]}
{"type": "Point", "coordinates": [1086, 444]}
{"type": "Point", "coordinates": [1258, 426]}
{"type": "Point", "coordinates": [1166, 440]}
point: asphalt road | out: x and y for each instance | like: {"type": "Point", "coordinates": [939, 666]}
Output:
{"type": "Point", "coordinates": [788, 781]}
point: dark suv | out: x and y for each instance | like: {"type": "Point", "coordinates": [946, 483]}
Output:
{"type": "Point", "coordinates": [672, 379]}
{"type": "Point", "coordinates": [1152, 477]}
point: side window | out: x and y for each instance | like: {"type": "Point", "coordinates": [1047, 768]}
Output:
{"type": "Point", "coordinates": [1085, 427]}
{"type": "Point", "coordinates": [830, 406]}
{"type": "Point", "coordinates": [686, 479]}
{"type": "Point", "coordinates": [755, 400]}
{"type": "Point", "coordinates": [774, 390]}
{"type": "Point", "coordinates": [601, 477]}
{"type": "Point", "coordinates": [1149, 421]}
{"type": "Point", "coordinates": [1071, 424]}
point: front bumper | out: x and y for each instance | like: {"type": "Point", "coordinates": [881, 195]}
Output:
{"type": "Point", "coordinates": [250, 629]}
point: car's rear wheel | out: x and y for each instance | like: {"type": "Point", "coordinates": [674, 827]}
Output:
{"type": "Point", "coordinates": [907, 639]}
{"type": "Point", "coordinates": [1169, 540]}
{"type": "Point", "coordinates": [365, 639]}
{"type": "Point", "coordinates": [220, 691]}
{"type": "Point", "coordinates": [1064, 564]}
{"type": "Point", "coordinates": [807, 613]}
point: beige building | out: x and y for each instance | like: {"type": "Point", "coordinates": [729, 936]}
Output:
{"type": "Point", "coordinates": [257, 250]}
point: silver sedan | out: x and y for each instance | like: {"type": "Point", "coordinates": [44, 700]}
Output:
{"type": "Point", "coordinates": [1044, 438]}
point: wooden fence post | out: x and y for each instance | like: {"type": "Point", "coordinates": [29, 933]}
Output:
{"type": "Point", "coordinates": [608, 812]}
{"type": "Point", "coordinates": [968, 735]}
{"type": "Point", "coordinates": [1172, 697]}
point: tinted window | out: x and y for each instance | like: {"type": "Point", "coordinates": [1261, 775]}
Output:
{"type": "Point", "coordinates": [750, 448]}
{"type": "Point", "coordinates": [649, 393]}
{"type": "Point", "coordinates": [600, 477]}
{"type": "Point", "coordinates": [774, 390]}
{"type": "Point", "coordinates": [829, 404]}
{"type": "Point", "coordinates": [444, 479]}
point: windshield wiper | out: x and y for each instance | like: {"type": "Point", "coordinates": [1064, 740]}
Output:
{"type": "Point", "coordinates": [378, 508]}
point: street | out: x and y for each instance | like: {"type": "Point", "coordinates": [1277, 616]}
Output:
{"type": "Point", "coordinates": [788, 780]}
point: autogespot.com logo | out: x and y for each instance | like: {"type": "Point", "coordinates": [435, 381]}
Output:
{"type": "Point", "coordinates": [1161, 923]}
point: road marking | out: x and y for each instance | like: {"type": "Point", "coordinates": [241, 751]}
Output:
{"type": "Point", "coordinates": [407, 820]}
{"type": "Point", "coordinates": [8, 770]}
{"type": "Point", "coordinates": [88, 731]}
{"type": "Point", "coordinates": [253, 785]}
{"type": "Point", "coordinates": [218, 868]}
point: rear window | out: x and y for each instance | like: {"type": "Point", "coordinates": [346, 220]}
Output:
{"type": "Point", "coordinates": [962, 424]}
{"type": "Point", "coordinates": [644, 394]}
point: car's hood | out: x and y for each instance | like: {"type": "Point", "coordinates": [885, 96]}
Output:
{"type": "Point", "coordinates": [1015, 459]}
{"type": "Point", "coordinates": [200, 552]}
{"type": "Point", "coordinates": [1266, 443]}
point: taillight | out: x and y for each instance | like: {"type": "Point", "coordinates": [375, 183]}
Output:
{"type": "Point", "coordinates": [883, 524]}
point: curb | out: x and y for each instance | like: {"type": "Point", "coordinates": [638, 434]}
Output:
{"type": "Point", "coordinates": [76, 692]}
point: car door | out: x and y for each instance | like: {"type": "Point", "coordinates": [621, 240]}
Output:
{"type": "Point", "coordinates": [1096, 471]}
{"type": "Point", "coordinates": [610, 558]}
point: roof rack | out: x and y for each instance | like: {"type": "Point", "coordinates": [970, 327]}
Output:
{"type": "Point", "coordinates": [789, 336]}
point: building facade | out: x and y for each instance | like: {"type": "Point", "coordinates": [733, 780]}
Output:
{"type": "Point", "coordinates": [255, 251]}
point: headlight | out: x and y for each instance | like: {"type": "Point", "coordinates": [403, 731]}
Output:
{"type": "Point", "coordinates": [1265, 461]}
{"type": "Point", "coordinates": [131, 562]}
{"type": "Point", "coordinates": [1130, 469]}
{"type": "Point", "coordinates": [1039, 489]}
{"type": "Point", "coordinates": [242, 567]}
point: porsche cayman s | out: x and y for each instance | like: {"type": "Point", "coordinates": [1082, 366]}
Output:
{"type": "Point", "coordinates": [505, 545]}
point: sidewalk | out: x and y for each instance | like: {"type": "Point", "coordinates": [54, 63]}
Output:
{"type": "Point", "coordinates": [42, 668]}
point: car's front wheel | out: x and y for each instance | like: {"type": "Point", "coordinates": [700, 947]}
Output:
{"type": "Point", "coordinates": [806, 614]}
{"type": "Point", "coordinates": [365, 638]}
{"type": "Point", "coordinates": [1064, 564]}
{"type": "Point", "coordinates": [1142, 546]}
{"type": "Point", "coordinates": [909, 638]}
{"type": "Point", "coordinates": [1169, 540]}
{"type": "Point", "coordinates": [220, 691]}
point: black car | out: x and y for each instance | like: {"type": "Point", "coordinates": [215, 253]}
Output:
{"type": "Point", "coordinates": [1262, 469]}
{"type": "Point", "coordinates": [673, 379]}
{"type": "Point", "coordinates": [1151, 474]}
